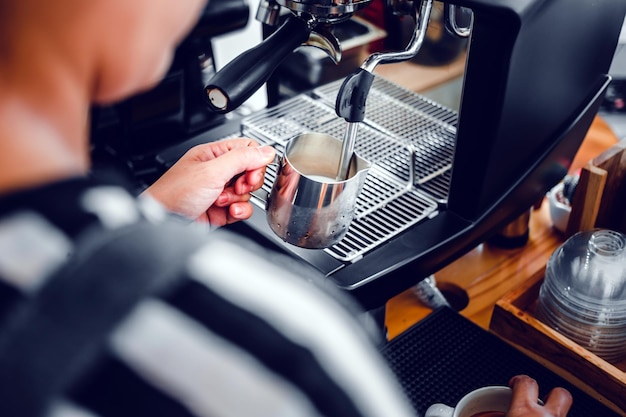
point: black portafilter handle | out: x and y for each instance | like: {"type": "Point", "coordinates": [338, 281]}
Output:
{"type": "Point", "coordinates": [350, 103]}
{"type": "Point", "coordinates": [232, 85]}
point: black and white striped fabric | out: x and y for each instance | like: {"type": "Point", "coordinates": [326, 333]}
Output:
{"type": "Point", "coordinates": [212, 325]}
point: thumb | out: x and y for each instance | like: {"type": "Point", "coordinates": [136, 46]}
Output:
{"type": "Point", "coordinates": [241, 159]}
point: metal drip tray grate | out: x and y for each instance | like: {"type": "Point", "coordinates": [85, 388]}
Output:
{"type": "Point", "coordinates": [409, 140]}
{"type": "Point", "coordinates": [426, 126]}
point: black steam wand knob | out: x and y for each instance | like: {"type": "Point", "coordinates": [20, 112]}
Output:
{"type": "Point", "coordinates": [350, 105]}
{"type": "Point", "coordinates": [244, 75]}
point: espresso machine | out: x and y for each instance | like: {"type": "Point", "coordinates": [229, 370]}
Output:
{"type": "Point", "coordinates": [442, 181]}
{"type": "Point", "coordinates": [536, 73]}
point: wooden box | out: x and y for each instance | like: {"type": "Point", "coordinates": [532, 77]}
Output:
{"type": "Point", "coordinates": [514, 321]}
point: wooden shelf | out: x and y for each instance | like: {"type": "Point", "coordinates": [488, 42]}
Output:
{"type": "Point", "coordinates": [514, 320]}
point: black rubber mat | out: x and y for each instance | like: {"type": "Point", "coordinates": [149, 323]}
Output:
{"type": "Point", "coordinates": [445, 356]}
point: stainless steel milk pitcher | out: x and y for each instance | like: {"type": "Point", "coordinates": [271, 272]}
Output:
{"type": "Point", "coordinates": [308, 206]}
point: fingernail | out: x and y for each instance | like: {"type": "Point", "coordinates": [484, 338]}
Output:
{"type": "Point", "coordinates": [267, 151]}
{"type": "Point", "coordinates": [237, 211]}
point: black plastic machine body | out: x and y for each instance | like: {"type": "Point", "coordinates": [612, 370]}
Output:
{"type": "Point", "coordinates": [535, 76]}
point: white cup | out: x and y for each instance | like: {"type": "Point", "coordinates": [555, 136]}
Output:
{"type": "Point", "coordinates": [495, 399]}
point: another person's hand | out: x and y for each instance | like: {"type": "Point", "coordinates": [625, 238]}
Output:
{"type": "Point", "coordinates": [525, 394]}
{"type": "Point", "coordinates": [212, 182]}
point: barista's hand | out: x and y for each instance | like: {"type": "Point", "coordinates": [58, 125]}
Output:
{"type": "Point", "coordinates": [525, 394]}
{"type": "Point", "coordinates": [202, 186]}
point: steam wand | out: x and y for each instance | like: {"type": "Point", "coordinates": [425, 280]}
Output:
{"type": "Point", "coordinates": [352, 95]}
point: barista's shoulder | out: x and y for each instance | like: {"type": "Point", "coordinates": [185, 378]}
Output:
{"type": "Point", "coordinates": [237, 329]}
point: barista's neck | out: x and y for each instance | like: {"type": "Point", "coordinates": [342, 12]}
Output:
{"type": "Point", "coordinates": [43, 131]}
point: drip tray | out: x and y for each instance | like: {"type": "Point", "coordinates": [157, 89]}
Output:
{"type": "Point", "coordinates": [409, 140]}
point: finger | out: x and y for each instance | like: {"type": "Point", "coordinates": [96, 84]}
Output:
{"type": "Point", "coordinates": [239, 211]}
{"type": "Point", "coordinates": [220, 216]}
{"type": "Point", "coordinates": [227, 145]}
{"type": "Point", "coordinates": [239, 160]}
{"type": "Point", "coordinates": [228, 197]}
{"type": "Point", "coordinates": [525, 390]}
{"type": "Point", "coordinates": [558, 402]}
{"type": "Point", "coordinates": [250, 181]}
{"type": "Point", "coordinates": [211, 150]}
